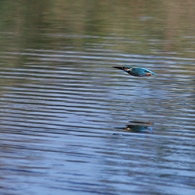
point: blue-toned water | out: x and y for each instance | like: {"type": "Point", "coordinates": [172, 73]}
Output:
{"type": "Point", "coordinates": [72, 124]}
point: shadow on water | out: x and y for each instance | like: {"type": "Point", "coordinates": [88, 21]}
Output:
{"type": "Point", "coordinates": [138, 127]}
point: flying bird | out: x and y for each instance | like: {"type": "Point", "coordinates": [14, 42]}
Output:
{"type": "Point", "coordinates": [135, 71]}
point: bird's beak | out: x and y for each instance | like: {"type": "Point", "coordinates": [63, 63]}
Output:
{"type": "Point", "coordinates": [118, 67]}
{"type": "Point", "coordinates": [122, 68]}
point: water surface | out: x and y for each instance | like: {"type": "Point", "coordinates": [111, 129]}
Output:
{"type": "Point", "coordinates": [71, 124]}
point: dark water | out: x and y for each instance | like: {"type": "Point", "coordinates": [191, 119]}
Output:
{"type": "Point", "coordinates": [71, 124]}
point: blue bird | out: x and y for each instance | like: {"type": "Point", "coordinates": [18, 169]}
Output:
{"type": "Point", "coordinates": [138, 126]}
{"type": "Point", "coordinates": [135, 71]}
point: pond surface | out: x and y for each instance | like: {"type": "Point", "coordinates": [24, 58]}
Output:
{"type": "Point", "coordinates": [72, 124]}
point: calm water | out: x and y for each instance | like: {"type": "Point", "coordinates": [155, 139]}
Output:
{"type": "Point", "coordinates": [71, 124]}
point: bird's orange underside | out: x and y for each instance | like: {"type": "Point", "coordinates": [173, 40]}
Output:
{"type": "Point", "coordinates": [148, 74]}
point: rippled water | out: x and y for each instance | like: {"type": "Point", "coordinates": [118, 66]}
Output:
{"type": "Point", "coordinates": [64, 118]}
{"type": "Point", "coordinates": [72, 124]}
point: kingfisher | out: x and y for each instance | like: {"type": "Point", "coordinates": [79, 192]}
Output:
{"type": "Point", "coordinates": [138, 126]}
{"type": "Point", "coordinates": [135, 71]}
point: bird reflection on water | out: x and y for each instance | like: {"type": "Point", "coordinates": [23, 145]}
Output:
{"type": "Point", "coordinates": [138, 127]}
